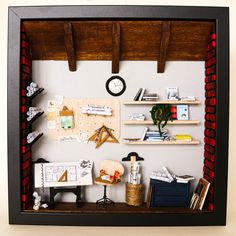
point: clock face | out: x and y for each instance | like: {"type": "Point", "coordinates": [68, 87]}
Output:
{"type": "Point", "coordinates": [115, 86]}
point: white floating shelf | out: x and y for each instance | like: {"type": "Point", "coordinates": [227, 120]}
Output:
{"type": "Point", "coordinates": [150, 122]}
{"type": "Point", "coordinates": [131, 102]}
{"type": "Point", "coordinates": [194, 142]}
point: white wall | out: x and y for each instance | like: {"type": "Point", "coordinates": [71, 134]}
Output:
{"type": "Point", "coordinates": [89, 82]}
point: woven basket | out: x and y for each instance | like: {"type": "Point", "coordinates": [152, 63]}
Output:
{"type": "Point", "coordinates": [134, 194]}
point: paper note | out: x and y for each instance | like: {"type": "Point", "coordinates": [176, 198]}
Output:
{"type": "Point", "coordinates": [51, 124]}
{"type": "Point", "coordinates": [51, 116]}
{"type": "Point", "coordinates": [83, 138]}
{"type": "Point", "coordinates": [51, 107]}
{"type": "Point", "coordinates": [59, 100]}
{"type": "Point", "coordinates": [68, 138]}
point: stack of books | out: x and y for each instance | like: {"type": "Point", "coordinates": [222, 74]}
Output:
{"type": "Point", "coordinates": [166, 176]}
{"type": "Point", "coordinates": [154, 135]}
{"type": "Point", "coordinates": [142, 96]}
{"type": "Point", "coordinates": [184, 178]}
{"type": "Point", "coordinates": [150, 97]}
{"type": "Point", "coordinates": [183, 137]}
{"type": "Point", "coordinates": [97, 110]}
{"type": "Point", "coordinates": [136, 116]}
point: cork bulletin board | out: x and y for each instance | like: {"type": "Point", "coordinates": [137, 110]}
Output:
{"type": "Point", "coordinates": [87, 124]}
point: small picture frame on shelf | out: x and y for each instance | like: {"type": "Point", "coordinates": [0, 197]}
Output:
{"type": "Point", "coordinates": [172, 93]}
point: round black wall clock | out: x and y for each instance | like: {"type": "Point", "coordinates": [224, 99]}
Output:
{"type": "Point", "coordinates": [115, 85]}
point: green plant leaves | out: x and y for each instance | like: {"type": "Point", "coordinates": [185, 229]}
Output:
{"type": "Point", "coordinates": [160, 115]}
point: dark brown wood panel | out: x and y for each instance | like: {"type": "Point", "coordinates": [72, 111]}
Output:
{"type": "Point", "coordinates": [165, 38]}
{"type": "Point", "coordinates": [69, 44]}
{"type": "Point", "coordinates": [94, 40]}
{"type": "Point", "coordinates": [140, 40]}
{"type": "Point", "coordinates": [116, 208]}
{"type": "Point", "coordinates": [188, 52]}
{"type": "Point", "coordinates": [115, 47]}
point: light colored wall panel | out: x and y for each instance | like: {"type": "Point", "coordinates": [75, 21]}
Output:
{"type": "Point", "coordinates": [89, 82]}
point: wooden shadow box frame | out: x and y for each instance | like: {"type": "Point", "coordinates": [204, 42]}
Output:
{"type": "Point", "coordinates": [218, 14]}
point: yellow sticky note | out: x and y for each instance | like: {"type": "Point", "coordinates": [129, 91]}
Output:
{"type": "Point", "coordinates": [51, 116]}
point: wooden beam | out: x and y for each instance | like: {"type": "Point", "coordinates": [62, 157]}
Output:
{"type": "Point", "coordinates": [165, 37]}
{"type": "Point", "coordinates": [69, 44]}
{"type": "Point", "coordinates": [188, 44]}
{"type": "Point", "coordinates": [115, 47]}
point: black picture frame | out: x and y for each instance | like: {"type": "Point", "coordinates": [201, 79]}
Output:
{"type": "Point", "coordinates": [220, 15]}
{"type": "Point", "coordinates": [119, 78]}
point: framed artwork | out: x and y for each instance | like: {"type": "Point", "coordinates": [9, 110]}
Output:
{"type": "Point", "coordinates": [215, 214]}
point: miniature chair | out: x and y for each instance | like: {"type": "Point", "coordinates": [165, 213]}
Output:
{"type": "Point", "coordinates": [110, 173]}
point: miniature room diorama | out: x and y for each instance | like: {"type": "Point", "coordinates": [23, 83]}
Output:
{"type": "Point", "coordinates": [118, 116]}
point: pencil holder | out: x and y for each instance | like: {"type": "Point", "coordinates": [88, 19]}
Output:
{"type": "Point", "coordinates": [134, 194]}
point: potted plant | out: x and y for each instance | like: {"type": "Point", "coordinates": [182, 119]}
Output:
{"type": "Point", "coordinates": [161, 114]}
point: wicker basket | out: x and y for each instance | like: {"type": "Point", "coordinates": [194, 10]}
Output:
{"type": "Point", "coordinates": [134, 194]}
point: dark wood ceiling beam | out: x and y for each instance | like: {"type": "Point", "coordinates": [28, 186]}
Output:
{"type": "Point", "coordinates": [165, 38]}
{"type": "Point", "coordinates": [69, 44]}
{"type": "Point", "coordinates": [139, 40]}
{"type": "Point", "coordinates": [115, 47]}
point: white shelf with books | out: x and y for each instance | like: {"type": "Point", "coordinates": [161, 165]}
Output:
{"type": "Point", "coordinates": [177, 115]}
{"type": "Point", "coordinates": [171, 142]}
{"type": "Point", "coordinates": [172, 102]}
{"type": "Point", "coordinates": [150, 122]}
{"type": "Point", "coordinates": [154, 137]}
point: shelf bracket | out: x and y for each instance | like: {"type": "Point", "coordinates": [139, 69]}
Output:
{"type": "Point", "coordinates": [165, 37]}
{"type": "Point", "coordinates": [115, 47]}
{"type": "Point", "coordinates": [69, 44]}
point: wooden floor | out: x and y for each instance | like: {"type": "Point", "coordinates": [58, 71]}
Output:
{"type": "Point", "coordinates": [116, 208]}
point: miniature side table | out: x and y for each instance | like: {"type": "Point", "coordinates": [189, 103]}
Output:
{"type": "Point", "coordinates": [55, 190]}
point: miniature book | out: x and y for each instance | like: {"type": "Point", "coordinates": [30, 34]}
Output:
{"type": "Point", "coordinates": [183, 137]}
{"type": "Point", "coordinates": [182, 112]}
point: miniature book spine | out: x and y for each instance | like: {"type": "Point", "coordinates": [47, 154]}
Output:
{"type": "Point", "coordinates": [142, 93]}
{"type": "Point", "coordinates": [144, 134]}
